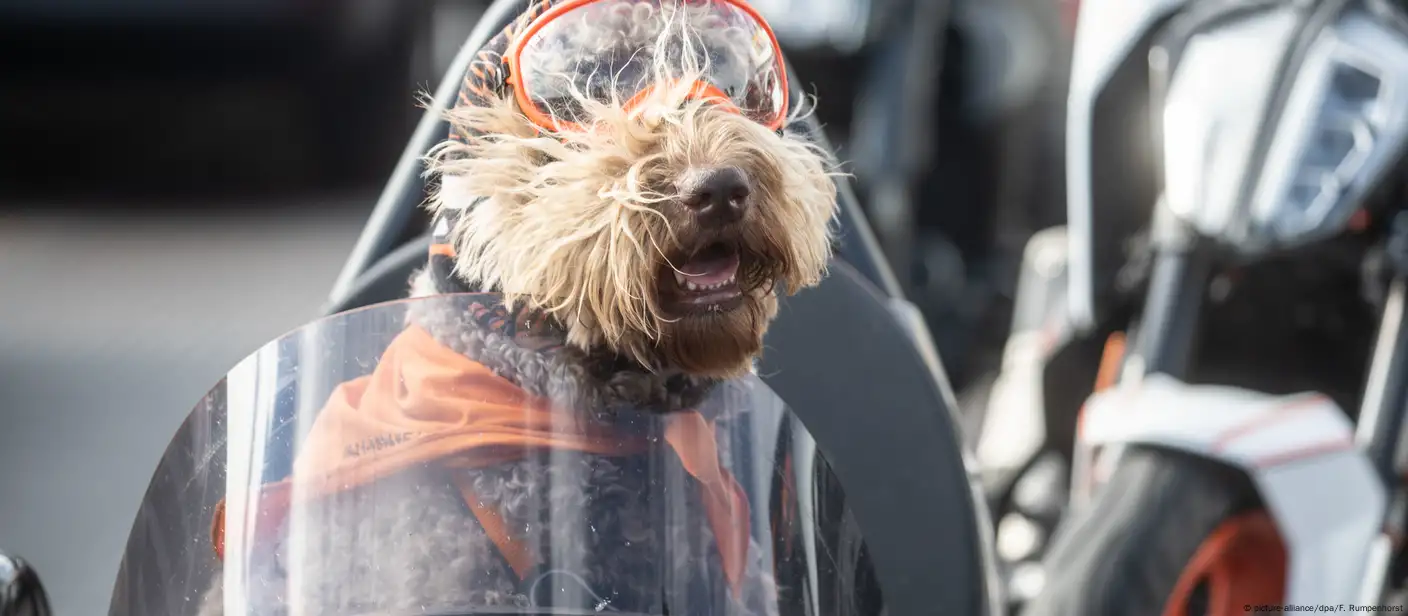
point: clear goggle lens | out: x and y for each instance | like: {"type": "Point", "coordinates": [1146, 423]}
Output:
{"type": "Point", "coordinates": [617, 52]}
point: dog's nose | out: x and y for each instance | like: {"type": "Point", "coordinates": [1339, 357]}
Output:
{"type": "Point", "coordinates": [718, 196]}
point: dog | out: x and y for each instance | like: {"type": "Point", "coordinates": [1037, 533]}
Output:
{"type": "Point", "coordinates": [625, 270]}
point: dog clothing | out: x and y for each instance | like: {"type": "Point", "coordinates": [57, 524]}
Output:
{"type": "Point", "coordinates": [425, 403]}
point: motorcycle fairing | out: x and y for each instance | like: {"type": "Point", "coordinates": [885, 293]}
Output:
{"type": "Point", "coordinates": [1325, 496]}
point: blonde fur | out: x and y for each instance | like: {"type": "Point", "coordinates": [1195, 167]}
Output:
{"type": "Point", "coordinates": [585, 224]}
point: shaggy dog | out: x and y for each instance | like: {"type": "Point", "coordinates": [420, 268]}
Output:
{"type": "Point", "coordinates": [625, 270]}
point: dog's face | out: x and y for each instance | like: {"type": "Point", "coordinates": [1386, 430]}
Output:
{"type": "Point", "coordinates": [662, 233]}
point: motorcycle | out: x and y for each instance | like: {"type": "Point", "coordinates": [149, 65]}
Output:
{"type": "Point", "coordinates": [1215, 468]}
{"type": "Point", "coordinates": [861, 517]}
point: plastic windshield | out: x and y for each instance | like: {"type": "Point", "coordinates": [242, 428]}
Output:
{"type": "Point", "coordinates": [405, 459]}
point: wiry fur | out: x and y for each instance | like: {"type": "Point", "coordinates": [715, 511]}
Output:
{"type": "Point", "coordinates": [584, 223]}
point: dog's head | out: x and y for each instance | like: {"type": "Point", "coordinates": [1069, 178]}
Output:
{"type": "Point", "coordinates": [661, 230]}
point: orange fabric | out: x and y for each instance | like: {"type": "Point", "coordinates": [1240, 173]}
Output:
{"type": "Point", "coordinates": [217, 529]}
{"type": "Point", "coordinates": [425, 402]}
{"type": "Point", "coordinates": [1359, 221]}
{"type": "Point", "coordinates": [518, 553]}
{"type": "Point", "coordinates": [1243, 562]}
{"type": "Point", "coordinates": [1110, 362]}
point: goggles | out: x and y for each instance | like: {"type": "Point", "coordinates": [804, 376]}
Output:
{"type": "Point", "coordinates": [620, 52]}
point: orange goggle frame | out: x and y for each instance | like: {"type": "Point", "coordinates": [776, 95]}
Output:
{"type": "Point", "coordinates": [699, 90]}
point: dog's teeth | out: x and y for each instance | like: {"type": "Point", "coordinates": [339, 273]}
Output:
{"type": "Point", "coordinates": [690, 285]}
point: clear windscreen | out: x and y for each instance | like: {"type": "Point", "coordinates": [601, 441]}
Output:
{"type": "Point", "coordinates": [369, 463]}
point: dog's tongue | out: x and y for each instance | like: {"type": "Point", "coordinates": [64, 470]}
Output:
{"type": "Point", "coordinates": [709, 268]}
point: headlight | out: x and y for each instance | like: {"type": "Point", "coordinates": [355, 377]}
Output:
{"type": "Point", "coordinates": [1334, 134]}
{"type": "Point", "coordinates": [1343, 127]}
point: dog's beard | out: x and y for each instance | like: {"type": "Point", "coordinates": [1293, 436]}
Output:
{"type": "Point", "coordinates": [718, 344]}
{"type": "Point", "coordinates": [588, 227]}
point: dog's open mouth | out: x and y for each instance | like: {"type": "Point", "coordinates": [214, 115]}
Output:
{"type": "Point", "coordinates": [706, 281]}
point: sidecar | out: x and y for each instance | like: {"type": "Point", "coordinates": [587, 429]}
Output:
{"type": "Point", "coordinates": [882, 368]}
{"type": "Point", "coordinates": [850, 373]}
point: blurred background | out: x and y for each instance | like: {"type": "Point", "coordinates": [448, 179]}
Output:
{"type": "Point", "coordinates": [182, 180]}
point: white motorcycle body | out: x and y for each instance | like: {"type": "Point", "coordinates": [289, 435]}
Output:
{"type": "Point", "coordinates": [1326, 498]}
{"type": "Point", "coordinates": [1106, 32]}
